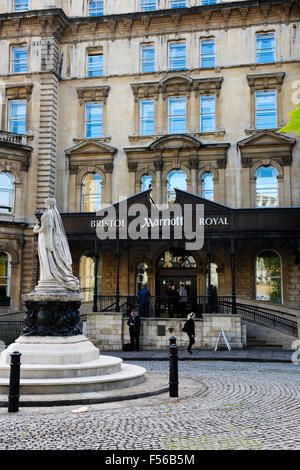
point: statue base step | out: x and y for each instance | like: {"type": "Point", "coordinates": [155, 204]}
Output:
{"type": "Point", "coordinates": [55, 365]}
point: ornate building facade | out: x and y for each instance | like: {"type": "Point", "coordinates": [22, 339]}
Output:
{"type": "Point", "coordinates": [103, 100]}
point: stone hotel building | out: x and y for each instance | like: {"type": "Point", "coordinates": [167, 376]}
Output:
{"type": "Point", "coordinates": [153, 101]}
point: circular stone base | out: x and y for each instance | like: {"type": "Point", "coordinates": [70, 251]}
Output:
{"type": "Point", "coordinates": [72, 364]}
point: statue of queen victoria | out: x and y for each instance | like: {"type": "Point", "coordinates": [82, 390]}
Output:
{"type": "Point", "coordinates": [53, 306]}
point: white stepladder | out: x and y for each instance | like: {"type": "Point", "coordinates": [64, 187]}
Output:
{"type": "Point", "coordinates": [222, 333]}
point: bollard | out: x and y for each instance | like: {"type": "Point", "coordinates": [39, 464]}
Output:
{"type": "Point", "coordinates": [173, 383]}
{"type": "Point", "coordinates": [14, 382]}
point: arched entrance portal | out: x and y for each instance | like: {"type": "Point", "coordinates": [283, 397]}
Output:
{"type": "Point", "coordinates": [176, 269]}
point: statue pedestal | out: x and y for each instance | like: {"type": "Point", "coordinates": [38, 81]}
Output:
{"type": "Point", "coordinates": [70, 365]}
{"type": "Point", "coordinates": [52, 313]}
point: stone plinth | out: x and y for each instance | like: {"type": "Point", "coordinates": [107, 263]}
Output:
{"type": "Point", "coordinates": [56, 365]}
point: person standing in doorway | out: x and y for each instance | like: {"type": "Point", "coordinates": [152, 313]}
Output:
{"type": "Point", "coordinates": [182, 299]}
{"type": "Point", "coordinates": [134, 324]}
{"type": "Point", "coordinates": [189, 329]}
{"type": "Point", "coordinates": [144, 301]}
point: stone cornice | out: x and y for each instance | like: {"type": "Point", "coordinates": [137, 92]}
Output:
{"type": "Point", "coordinates": [222, 15]}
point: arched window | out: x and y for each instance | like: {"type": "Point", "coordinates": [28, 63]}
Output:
{"type": "Point", "coordinates": [208, 186]}
{"type": "Point", "coordinates": [177, 259]}
{"type": "Point", "coordinates": [214, 281]}
{"type": "Point", "coordinates": [4, 277]}
{"type": "Point", "coordinates": [176, 179]}
{"type": "Point", "coordinates": [7, 187]}
{"type": "Point", "coordinates": [267, 187]}
{"type": "Point", "coordinates": [91, 192]}
{"type": "Point", "coordinates": [146, 182]}
{"type": "Point", "coordinates": [96, 8]}
{"type": "Point", "coordinates": [268, 277]}
{"type": "Point", "coordinates": [141, 276]}
{"type": "Point", "coordinates": [87, 277]}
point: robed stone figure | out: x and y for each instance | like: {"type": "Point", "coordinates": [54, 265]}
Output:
{"type": "Point", "coordinates": [54, 254]}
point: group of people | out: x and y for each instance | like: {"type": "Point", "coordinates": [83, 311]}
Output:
{"type": "Point", "coordinates": [134, 324]}
{"type": "Point", "coordinates": [177, 300]}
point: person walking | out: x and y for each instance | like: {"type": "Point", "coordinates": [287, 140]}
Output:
{"type": "Point", "coordinates": [134, 324]}
{"type": "Point", "coordinates": [189, 329]}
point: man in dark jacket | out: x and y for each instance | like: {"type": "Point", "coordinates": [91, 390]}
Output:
{"type": "Point", "coordinates": [189, 328]}
{"type": "Point", "coordinates": [134, 324]}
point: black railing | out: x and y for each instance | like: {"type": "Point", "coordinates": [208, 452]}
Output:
{"type": "Point", "coordinates": [163, 306]}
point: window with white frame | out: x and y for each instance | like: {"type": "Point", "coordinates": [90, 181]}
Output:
{"type": "Point", "coordinates": [207, 59]}
{"type": "Point", "coordinates": [96, 8]}
{"type": "Point", "coordinates": [178, 3]}
{"type": "Point", "coordinates": [93, 119]}
{"type": "Point", "coordinates": [177, 55]}
{"type": "Point", "coordinates": [17, 116]}
{"type": "Point", "coordinates": [21, 5]}
{"type": "Point", "coordinates": [19, 56]}
{"type": "Point", "coordinates": [266, 187]}
{"type": "Point", "coordinates": [265, 109]}
{"type": "Point", "coordinates": [207, 113]}
{"type": "Point", "coordinates": [265, 48]}
{"type": "Point", "coordinates": [5, 274]}
{"type": "Point", "coordinates": [7, 191]}
{"type": "Point", "coordinates": [147, 58]}
{"type": "Point", "coordinates": [147, 5]}
{"type": "Point", "coordinates": [208, 186]}
{"type": "Point", "coordinates": [176, 115]}
{"type": "Point", "coordinates": [146, 116]}
{"type": "Point", "coordinates": [94, 65]}
{"type": "Point", "coordinates": [91, 191]}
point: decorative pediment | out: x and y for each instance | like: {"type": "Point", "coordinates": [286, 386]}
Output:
{"type": "Point", "coordinates": [90, 147]}
{"type": "Point", "coordinates": [90, 153]}
{"type": "Point", "coordinates": [267, 145]}
{"type": "Point", "coordinates": [178, 141]}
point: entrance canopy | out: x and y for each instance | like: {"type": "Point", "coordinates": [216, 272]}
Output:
{"type": "Point", "coordinates": [217, 220]}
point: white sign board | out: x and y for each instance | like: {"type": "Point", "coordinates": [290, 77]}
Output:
{"type": "Point", "coordinates": [222, 333]}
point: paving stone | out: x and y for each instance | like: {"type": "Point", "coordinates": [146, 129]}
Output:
{"type": "Point", "coordinates": [233, 405]}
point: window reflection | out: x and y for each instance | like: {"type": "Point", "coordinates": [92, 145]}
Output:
{"type": "Point", "coordinates": [176, 179]}
{"type": "Point", "coordinates": [268, 277]}
{"type": "Point", "coordinates": [91, 193]}
{"type": "Point", "coordinates": [267, 187]}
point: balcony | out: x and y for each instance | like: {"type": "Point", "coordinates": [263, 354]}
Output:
{"type": "Point", "coordinates": [14, 139]}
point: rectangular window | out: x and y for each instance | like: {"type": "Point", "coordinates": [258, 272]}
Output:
{"type": "Point", "coordinates": [177, 55]}
{"type": "Point", "coordinates": [176, 115]}
{"type": "Point", "coordinates": [96, 8]}
{"type": "Point", "coordinates": [147, 58]}
{"type": "Point", "coordinates": [147, 5]}
{"type": "Point", "coordinates": [95, 65]}
{"type": "Point", "coordinates": [207, 113]}
{"type": "Point", "coordinates": [93, 120]}
{"type": "Point", "coordinates": [17, 116]}
{"type": "Point", "coordinates": [147, 117]}
{"type": "Point", "coordinates": [208, 2]}
{"type": "Point", "coordinates": [19, 56]}
{"type": "Point", "coordinates": [207, 53]}
{"type": "Point", "coordinates": [265, 48]}
{"type": "Point", "coordinates": [21, 5]}
{"type": "Point", "coordinates": [178, 3]}
{"type": "Point", "coordinates": [265, 109]}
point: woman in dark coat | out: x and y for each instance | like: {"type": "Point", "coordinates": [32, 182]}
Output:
{"type": "Point", "coordinates": [189, 329]}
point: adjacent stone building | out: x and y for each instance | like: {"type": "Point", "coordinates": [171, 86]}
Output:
{"type": "Point", "coordinates": [103, 100]}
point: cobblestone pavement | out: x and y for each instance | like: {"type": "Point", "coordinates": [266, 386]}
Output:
{"type": "Point", "coordinates": [241, 406]}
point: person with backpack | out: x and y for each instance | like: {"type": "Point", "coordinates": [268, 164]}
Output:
{"type": "Point", "coordinates": [189, 329]}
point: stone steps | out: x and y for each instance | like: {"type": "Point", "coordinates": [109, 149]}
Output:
{"type": "Point", "coordinates": [253, 343]}
{"type": "Point", "coordinates": [128, 376]}
{"type": "Point", "coordinates": [103, 366]}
